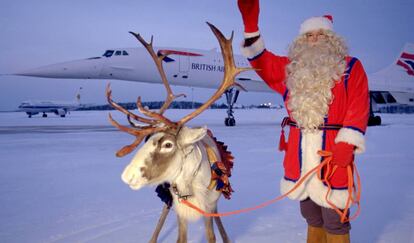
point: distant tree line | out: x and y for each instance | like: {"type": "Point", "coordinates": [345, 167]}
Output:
{"type": "Point", "coordinates": [154, 105]}
{"type": "Point", "coordinates": [399, 108]}
{"type": "Point", "coordinates": [174, 105]}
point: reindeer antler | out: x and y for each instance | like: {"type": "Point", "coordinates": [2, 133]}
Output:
{"type": "Point", "coordinates": [123, 110]}
{"type": "Point", "coordinates": [158, 122]}
{"type": "Point", "coordinates": [139, 132]}
{"type": "Point", "coordinates": [230, 72]}
{"type": "Point", "coordinates": [158, 62]}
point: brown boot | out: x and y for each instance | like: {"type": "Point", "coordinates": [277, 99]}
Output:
{"type": "Point", "coordinates": [316, 235]}
{"type": "Point", "coordinates": [331, 238]}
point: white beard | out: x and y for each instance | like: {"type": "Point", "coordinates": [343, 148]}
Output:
{"type": "Point", "coordinates": [311, 76]}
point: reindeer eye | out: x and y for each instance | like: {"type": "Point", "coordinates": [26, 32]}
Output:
{"type": "Point", "coordinates": [168, 145]}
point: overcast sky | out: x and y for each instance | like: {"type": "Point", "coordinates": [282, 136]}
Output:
{"type": "Point", "coordinates": [36, 33]}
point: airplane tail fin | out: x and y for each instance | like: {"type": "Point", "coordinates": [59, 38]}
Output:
{"type": "Point", "coordinates": [399, 76]}
{"type": "Point", "coordinates": [406, 60]}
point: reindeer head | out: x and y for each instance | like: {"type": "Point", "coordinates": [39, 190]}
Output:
{"type": "Point", "coordinates": [161, 158]}
{"type": "Point", "coordinates": [162, 155]}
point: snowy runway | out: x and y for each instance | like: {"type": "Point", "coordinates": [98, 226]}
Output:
{"type": "Point", "coordinates": [60, 181]}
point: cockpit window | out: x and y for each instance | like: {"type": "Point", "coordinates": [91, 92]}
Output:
{"type": "Point", "coordinates": [108, 53]}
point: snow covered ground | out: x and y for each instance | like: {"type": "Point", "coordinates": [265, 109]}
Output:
{"type": "Point", "coordinates": [60, 181]}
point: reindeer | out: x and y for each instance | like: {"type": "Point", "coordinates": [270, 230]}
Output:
{"type": "Point", "coordinates": [175, 153]}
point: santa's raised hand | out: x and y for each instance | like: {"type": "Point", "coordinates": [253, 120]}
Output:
{"type": "Point", "coordinates": [249, 10]}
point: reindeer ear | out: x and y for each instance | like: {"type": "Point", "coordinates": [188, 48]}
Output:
{"type": "Point", "coordinates": [189, 136]}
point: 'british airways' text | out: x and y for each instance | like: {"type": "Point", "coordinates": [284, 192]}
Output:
{"type": "Point", "coordinates": [207, 67]}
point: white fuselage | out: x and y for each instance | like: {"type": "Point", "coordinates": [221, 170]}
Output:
{"type": "Point", "coordinates": [204, 68]}
{"type": "Point", "coordinates": [200, 68]}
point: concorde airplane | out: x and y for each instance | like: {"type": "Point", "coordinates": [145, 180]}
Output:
{"type": "Point", "coordinates": [204, 68]}
{"type": "Point", "coordinates": [60, 108]}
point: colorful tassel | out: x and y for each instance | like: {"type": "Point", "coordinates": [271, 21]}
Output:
{"type": "Point", "coordinates": [282, 141]}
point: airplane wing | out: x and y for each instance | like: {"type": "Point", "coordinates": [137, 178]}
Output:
{"type": "Point", "coordinates": [254, 85]}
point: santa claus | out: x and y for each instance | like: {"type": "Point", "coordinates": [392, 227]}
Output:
{"type": "Point", "coordinates": [327, 99]}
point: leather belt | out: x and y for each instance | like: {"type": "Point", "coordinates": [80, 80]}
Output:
{"type": "Point", "coordinates": [326, 126]}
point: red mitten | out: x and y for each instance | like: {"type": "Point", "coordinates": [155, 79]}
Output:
{"type": "Point", "coordinates": [342, 154]}
{"type": "Point", "coordinates": [249, 10]}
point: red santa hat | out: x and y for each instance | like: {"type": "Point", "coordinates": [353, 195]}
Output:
{"type": "Point", "coordinates": [315, 23]}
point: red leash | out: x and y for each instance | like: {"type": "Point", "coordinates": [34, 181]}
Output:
{"type": "Point", "coordinates": [329, 172]}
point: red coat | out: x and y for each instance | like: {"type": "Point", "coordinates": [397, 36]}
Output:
{"type": "Point", "coordinates": [350, 108]}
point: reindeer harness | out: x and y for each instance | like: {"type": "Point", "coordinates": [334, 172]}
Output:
{"type": "Point", "coordinates": [220, 171]}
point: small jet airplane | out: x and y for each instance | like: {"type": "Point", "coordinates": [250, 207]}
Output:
{"type": "Point", "coordinates": [60, 108]}
{"type": "Point", "coordinates": [204, 68]}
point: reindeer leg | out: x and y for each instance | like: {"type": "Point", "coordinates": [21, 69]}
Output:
{"type": "Point", "coordinates": [182, 230]}
{"type": "Point", "coordinates": [221, 229]}
{"type": "Point", "coordinates": [161, 221]}
{"type": "Point", "coordinates": [211, 238]}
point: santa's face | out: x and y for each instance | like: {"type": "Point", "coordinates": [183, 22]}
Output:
{"type": "Point", "coordinates": [315, 37]}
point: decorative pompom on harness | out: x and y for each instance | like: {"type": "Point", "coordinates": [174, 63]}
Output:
{"type": "Point", "coordinates": [220, 170]}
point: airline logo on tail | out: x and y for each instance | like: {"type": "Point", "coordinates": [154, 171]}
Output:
{"type": "Point", "coordinates": [179, 53]}
{"type": "Point", "coordinates": [407, 62]}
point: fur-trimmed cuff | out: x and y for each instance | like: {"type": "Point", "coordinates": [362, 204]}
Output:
{"type": "Point", "coordinates": [251, 34]}
{"type": "Point", "coordinates": [351, 136]}
{"type": "Point", "coordinates": [255, 49]}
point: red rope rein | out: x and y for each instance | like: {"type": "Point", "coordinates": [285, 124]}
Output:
{"type": "Point", "coordinates": [354, 191]}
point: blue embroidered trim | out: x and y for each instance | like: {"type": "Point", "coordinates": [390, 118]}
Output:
{"type": "Point", "coordinates": [285, 95]}
{"type": "Point", "coordinates": [325, 120]}
{"type": "Point", "coordinates": [324, 134]}
{"type": "Point", "coordinates": [300, 150]}
{"type": "Point", "coordinates": [348, 72]}
{"type": "Point", "coordinates": [257, 56]}
{"type": "Point", "coordinates": [288, 179]}
{"type": "Point", "coordinates": [356, 129]}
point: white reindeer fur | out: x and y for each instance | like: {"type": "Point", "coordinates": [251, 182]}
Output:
{"type": "Point", "coordinates": [189, 170]}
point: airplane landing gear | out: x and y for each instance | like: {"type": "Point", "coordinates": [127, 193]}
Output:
{"type": "Point", "coordinates": [230, 122]}
{"type": "Point", "coordinates": [231, 97]}
{"type": "Point", "coordinates": [373, 120]}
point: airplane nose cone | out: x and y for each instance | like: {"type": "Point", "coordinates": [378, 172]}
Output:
{"type": "Point", "coordinates": [88, 68]}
